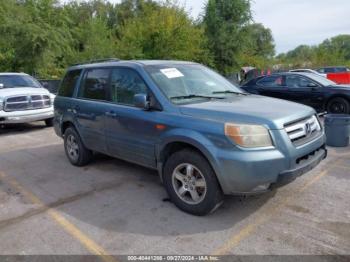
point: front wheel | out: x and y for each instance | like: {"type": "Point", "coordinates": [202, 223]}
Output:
{"type": "Point", "coordinates": [338, 105]}
{"type": "Point", "coordinates": [191, 183]}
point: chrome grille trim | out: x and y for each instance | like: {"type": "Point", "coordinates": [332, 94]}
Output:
{"type": "Point", "coordinates": [302, 131]}
{"type": "Point", "coordinates": [29, 102]}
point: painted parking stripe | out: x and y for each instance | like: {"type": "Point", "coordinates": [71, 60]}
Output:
{"type": "Point", "coordinates": [70, 228]}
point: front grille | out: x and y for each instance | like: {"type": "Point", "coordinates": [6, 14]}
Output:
{"type": "Point", "coordinates": [21, 103]}
{"type": "Point", "coordinates": [303, 131]}
{"type": "Point", "coordinates": [17, 99]}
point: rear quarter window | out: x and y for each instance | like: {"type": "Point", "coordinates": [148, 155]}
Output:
{"type": "Point", "coordinates": [68, 83]}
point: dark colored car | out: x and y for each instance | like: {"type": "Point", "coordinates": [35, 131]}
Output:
{"type": "Point", "coordinates": [309, 89]}
{"type": "Point", "coordinates": [333, 69]}
{"type": "Point", "coordinates": [204, 135]}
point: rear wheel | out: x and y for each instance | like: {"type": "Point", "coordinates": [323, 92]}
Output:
{"type": "Point", "coordinates": [76, 152]}
{"type": "Point", "coordinates": [338, 105]}
{"type": "Point", "coordinates": [191, 183]}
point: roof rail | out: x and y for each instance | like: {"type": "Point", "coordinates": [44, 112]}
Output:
{"type": "Point", "coordinates": [98, 61]}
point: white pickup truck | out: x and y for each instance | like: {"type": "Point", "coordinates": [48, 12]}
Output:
{"type": "Point", "coordinates": [23, 100]}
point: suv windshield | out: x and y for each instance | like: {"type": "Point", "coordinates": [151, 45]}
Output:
{"type": "Point", "coordinates": [191, 83]}
{"type": "Point", "coordinates": [12, 81]}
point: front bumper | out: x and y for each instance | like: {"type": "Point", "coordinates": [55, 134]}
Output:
{"type": "Point", "coordinates": [257, 171]}
{"type": "Point", "coordinates": [304, 166]}
{"type": "Point", "coordinates": [19, 117]}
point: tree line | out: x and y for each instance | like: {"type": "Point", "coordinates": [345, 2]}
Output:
{"type": "Point", "coordinates": [331, 52]}
{"type": "Point", "coordinates": [44, 37]}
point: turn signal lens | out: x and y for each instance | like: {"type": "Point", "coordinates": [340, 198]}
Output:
{"type": "Point", "coordinates": [248, 135]}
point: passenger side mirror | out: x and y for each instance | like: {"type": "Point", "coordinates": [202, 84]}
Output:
{"type": "Point", "coordinates": [141, 101]}
{"type": "Point", "coordinates": [1, 85]}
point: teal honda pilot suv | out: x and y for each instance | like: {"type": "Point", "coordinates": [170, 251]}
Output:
{"type": "Point", "coordinates": [205, 136]}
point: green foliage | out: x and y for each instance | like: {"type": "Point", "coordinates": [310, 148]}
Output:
{"type": "Point", "coordinates": [161, 32]}
{"type": "Point", "coordinates": [224, 22]}
{"type": "Point", "coordinates": [259, 48]}
{"type": "Point", "coordinates": [334, 51]}
{"type": "Point", "coordinates": [35, 34]}
{"type": "Point", "coordinates": [43, 37]}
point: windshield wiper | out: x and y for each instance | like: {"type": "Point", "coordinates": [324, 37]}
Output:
{"type": "Point", "coordinates": [229, 92]}
{"type": "Point", "coordinates": [196, 96]}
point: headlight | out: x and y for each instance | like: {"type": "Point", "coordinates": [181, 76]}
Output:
{"type": "Point", "coordinates": [248, 135]}
{"type": "Point", "coordinates": [1, 105]}
{"type": "Point", "coordinates": [52, 99]}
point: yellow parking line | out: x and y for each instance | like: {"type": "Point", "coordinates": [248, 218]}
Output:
{"type": "Point", "coordinates": [267, 214]}
{"type": "Point", "coordinates": [87, 242]}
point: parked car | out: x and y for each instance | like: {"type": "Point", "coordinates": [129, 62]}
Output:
{"type": "Point", "coordinates": [23, 100]}
{"type": "Point", "coordinates": [333, 69]}
{"type": "Point", "coordinates": [305, 70]}
{"type": "Point", "coordinates": [316, 91]}
{"type": "Point", "coordinates": [338, 74]}
{"type": "Point", "coordinates": [205, 136]}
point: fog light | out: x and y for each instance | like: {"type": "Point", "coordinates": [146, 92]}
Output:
{"type": "Point", "coordinates": [262, 187]}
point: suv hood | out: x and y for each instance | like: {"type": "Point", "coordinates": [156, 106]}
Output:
{"type": "Point", "coordinates": [6, 92]}
{"type": "Point", "coordinates": [251, 109]}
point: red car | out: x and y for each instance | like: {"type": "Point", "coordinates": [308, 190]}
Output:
{"type": "Point", "coordinates": [338, 74]}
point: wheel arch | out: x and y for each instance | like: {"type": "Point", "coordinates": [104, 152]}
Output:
{"type": "Point", "coordinates": [66, 123]}
{"type": "Point", "coordinates": [179, 143]}
{"type": "Point", "coordinates": [344, 96]}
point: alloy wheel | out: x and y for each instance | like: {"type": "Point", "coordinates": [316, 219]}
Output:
{"type": "Point", "coordinates": [72, 147]}
{"type": "Point", "coordinates": [189, 183]}
{"type": "Point", "coordinates": [337, 107]}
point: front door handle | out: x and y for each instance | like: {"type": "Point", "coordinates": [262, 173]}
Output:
{"type": "Point", "coordinates": [111, 114]}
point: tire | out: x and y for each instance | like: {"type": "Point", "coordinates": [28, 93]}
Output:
{"type": "Point", "coordinates": [49, 122]}
{"type": "Point", "coordinates": [75, 150]}
{"type": "Point", "coordinates": [182, 192]}
{"type": "Point", "coordinates": [338, 105]}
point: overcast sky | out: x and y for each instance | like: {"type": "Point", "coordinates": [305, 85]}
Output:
{"type": "Point", "coordinates": [294, 22]}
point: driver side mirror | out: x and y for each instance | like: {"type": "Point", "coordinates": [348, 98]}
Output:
{"type": "Point", "coordinates": [141, 101]}
{"type": "Point", "coordinates": [1, 85]}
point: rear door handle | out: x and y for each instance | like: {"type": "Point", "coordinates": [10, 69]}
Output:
{"type": "Point", "coordinates": [111, 114]}
{"type": "Point", "coordinates": [88, 116]}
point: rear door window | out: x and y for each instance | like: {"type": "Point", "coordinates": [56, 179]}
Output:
{"type": "Point", "coordinates": [271, 81]}
{"type": "Point", "coordinates": [69, 82]}
{"type": "Point", "coordinates": [95, 84]}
